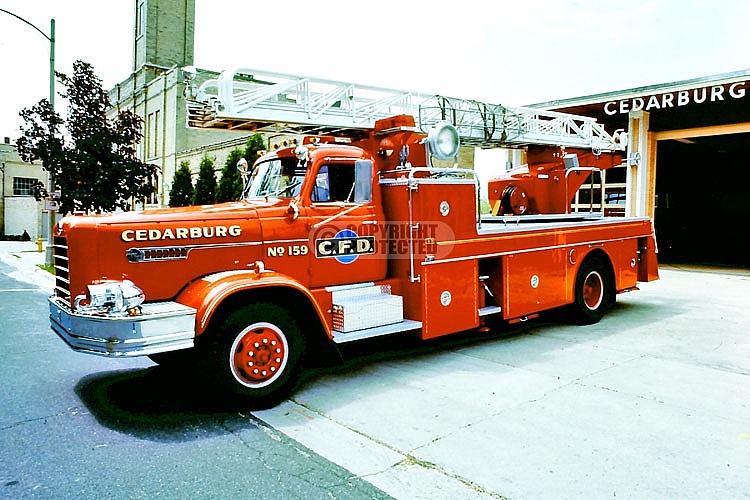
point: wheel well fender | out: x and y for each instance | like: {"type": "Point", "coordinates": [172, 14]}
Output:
{"type": "Point", "coordinates": [215, 295]}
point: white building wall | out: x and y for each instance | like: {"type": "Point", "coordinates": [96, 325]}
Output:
{"type": "Point", "coordinates": [23, 213]}
{"type": "Point", "coordinates": [19, 212]}
{"type": "Point", "coordinates": [489, 163]}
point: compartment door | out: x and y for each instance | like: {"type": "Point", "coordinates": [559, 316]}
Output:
{"type": "Point", "coordinates": [534, 281]}
{"type": "Point", "coordinates": [450, 298]}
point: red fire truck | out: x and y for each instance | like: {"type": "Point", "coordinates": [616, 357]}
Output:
{"type": "Point", "coordinates": [334, 240]}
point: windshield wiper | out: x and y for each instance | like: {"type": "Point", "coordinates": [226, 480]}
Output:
{"type": "Point", "coordinates": [287, 188]}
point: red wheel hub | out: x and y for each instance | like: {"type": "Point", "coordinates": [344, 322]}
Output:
{"type": "Point", "coordinates": [259, 355]}
{"type": "Point", "coordinates": [593, 290]}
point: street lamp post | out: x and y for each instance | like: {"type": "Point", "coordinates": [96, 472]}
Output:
{"type": "Point", "coordinates": [51, 39]}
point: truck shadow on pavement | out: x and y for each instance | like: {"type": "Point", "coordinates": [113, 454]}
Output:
{"type": "Point", "coordinates": [159, 404]}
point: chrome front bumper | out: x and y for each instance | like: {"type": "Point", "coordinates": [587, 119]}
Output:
{"type": "Point", "coordinates": [163, 326]}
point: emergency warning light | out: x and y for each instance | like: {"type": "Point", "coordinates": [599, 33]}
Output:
{"type": "Point", "coordinates": [443, 141]}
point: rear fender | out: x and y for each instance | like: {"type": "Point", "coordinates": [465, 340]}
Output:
{"type": "Point", "coordinates": [209, 292]}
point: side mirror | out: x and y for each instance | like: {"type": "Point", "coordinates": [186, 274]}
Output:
{"type": "Point", "coordinates": [293, 210]}
{"type": "Point", "coordinates": [362, 181]}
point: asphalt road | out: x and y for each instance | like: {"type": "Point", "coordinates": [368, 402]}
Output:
{"type": "Point", "coordinates": [76, 426]}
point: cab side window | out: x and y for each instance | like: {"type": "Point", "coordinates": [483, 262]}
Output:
{"type": "Point", "coordinates": [334, 182]}
{"type": "Point", "coordinates": [321, 192]}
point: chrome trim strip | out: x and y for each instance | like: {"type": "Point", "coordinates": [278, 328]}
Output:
{"type": "Point", "coordinates": [176, 252]}
{"type": "Point", "coordinates": [296, 240]}
{"type": "Point", "coordinates": [593, 243]}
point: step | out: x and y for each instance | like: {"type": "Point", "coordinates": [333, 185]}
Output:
{"type": "Point", "coordinates": [402, 326]}
{"type": "Point", "coordinates": [486, 311]}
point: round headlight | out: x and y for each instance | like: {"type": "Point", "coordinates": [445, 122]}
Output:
{"type": "Point", "coordinates": [115, 296]}
{"type": "Point", "coordinates": [443, 141]}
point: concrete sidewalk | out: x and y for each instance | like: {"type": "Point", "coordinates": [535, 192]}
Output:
{"type": "Point", "coordinates": [25, 258]}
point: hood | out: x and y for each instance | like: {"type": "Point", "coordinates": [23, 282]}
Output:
{"type": "Point", "coordinates": [161, 251]}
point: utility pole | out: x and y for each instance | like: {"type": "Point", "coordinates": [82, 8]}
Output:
{"type": "Point", "coordinates": [51, 188]}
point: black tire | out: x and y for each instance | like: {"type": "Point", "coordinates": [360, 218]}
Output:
{"type": "Point", "coordinates": [594, 291]}
{"type": "Point", "coordinates": [256, 353]}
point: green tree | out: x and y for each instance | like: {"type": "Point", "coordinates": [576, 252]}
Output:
{"type": "Point", "coordinates": [254, 148]}
{"type": "Point", "coordinates": [182, 191]}
{"type": "Point", "coordinates": [205, 186]}
{"type": "Point", "coordinates": [95, 166]}
{"type": "Point", "coordinates": [42, 140]}
{"type": "Point", "coordinates": [230, 184]}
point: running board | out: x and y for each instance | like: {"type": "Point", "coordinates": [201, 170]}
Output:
{"type": "Point", "coordinates": [403, 326]}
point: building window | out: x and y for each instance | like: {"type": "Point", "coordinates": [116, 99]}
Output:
{"type": "Point", "coordinates": [24, 186]}
{"type": "Point", "coordinates": [153, 180]}
{"type": "Point", "coordinates": [140, 21]}
{"type": "Point", "coordinates": [152, 135]}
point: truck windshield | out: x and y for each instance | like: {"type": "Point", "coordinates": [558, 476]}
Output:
{"type": "Point", "coordinates": [280, 177]}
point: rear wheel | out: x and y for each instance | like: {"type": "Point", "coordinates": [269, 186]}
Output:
{"type": "Point", "coordinates": [257, 353]}
{"type": "Point", "coordinates": [594, 291]}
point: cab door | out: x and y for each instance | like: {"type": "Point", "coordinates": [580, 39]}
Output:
{"type": "Point", "coordinates": [347, 230]}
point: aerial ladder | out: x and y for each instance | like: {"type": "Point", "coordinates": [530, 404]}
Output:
{"type": "Point", "coordinates": [262, 101]}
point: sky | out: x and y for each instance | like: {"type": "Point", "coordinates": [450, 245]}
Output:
{"type": "Point", "coordinates": [512, 53]}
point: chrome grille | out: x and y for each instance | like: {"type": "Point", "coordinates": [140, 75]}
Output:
{"type": "Point", "coordinates": [62, 267]}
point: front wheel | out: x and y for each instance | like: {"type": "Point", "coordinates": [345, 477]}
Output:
{"type": "Point", "coordinates": [257, 353]}
{"type": "Point", "coordinates": [594, 291]}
